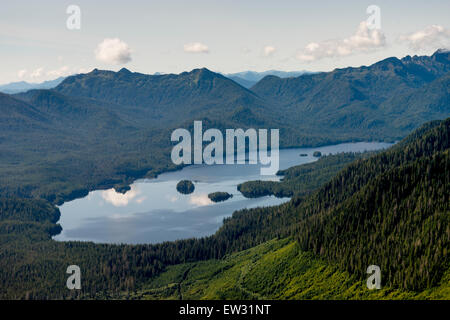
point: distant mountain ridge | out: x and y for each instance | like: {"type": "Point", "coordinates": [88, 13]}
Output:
{"type": "Point", "coordinates": [248, 79]}
{"type": "Point", "coordinates": [362, 101]}
{"type": "Point", "coordinates": [167, 99]}
{"type": "Point", "coordinates": [365, 97]}
{"type": "Point", "coordinates": [22, 86]}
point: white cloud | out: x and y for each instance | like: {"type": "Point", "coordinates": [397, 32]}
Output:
{"type": "Point", "coordinates": [363, 40]}
{"type": "Point", "coordinates": [118, 199]}
{"type": "Point", "coordinates": [269, 51]}
{"type": "Point", "coordinates": [63, 71]}
{"type": "Point", "coordinates": [113, 51]}
{"type": "Point", "coordinates": [40, 74]}
{"type": "Point", "coordinates": [196, 47]}
{"type": "Point", "coordinates": [431, 37]}
{"type": "Point", "coordinates": [37, 73]}
{"type": "Point", "coordinates": [21, 73]}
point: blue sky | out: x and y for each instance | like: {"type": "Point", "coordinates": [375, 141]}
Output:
{"type": "Point", "coordinates": [225, 36]}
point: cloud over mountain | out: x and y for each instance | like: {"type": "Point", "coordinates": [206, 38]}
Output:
{"type": "Point", "coordinates": [364, 39]}
{"type": "Point", "coordinates": [269, 51]}
{"type": "Point", "coordinates": [431, 37]}
{"type": "Point", "coordinates": [21, 73]}
{"type": "Point", "coordinates": [37, 73]}
{"type": "Point", "coordinates": [63, 71]}
{"type": "Point", "coordinates": [196, 47]}
{"type": "Point", "coordinates": [113, 51]}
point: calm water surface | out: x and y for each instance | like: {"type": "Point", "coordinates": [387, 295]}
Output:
{"type": "Point", "coordinates": [153, 211]}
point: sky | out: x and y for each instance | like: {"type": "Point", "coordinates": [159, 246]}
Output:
{"type": "Point", "coordinates": [42, 40]}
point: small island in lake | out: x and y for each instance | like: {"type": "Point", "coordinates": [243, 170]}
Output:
{"type": "Point", "coordinates": [317, 154]}
{"type": "Point", "coordinates": [219, 196]}
{"type": "Point", "coordinates": [185, 187]}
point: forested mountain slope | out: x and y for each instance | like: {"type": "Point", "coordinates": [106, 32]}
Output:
{"type": "Point", "coordinates": [166, 99]}
{"type": "Point", "coordinates": [365, 98]}
{"type": "Point", "coordinates": [390, 209]}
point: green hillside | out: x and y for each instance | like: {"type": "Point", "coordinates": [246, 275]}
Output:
{"type": "Point", "coordinates": [276, 269]}
{"type": "Point", "coordinates": [389, 209]}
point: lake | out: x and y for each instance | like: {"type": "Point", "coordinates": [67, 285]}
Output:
{"type": "Point", "coordinates": [153, 211]}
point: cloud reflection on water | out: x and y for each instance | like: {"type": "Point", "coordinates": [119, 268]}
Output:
{"type": "Point", "coordinates": [200, 200]}
{"type": "Point", "coordinates": [118, 199]}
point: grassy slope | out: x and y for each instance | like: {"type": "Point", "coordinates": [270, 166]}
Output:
{"type": "Point", "coordinates": [276, 269]}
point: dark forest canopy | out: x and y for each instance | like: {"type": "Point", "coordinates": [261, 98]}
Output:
{"type": "Point", "coordinates": [219, 196]}
{"type": "Point", "coordinates": [302, 179]}
{"type": "Point", "coordinates": [185, 187]}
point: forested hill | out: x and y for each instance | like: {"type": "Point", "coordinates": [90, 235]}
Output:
{"type": "Point", "coordinates": [393, 94]}
{"type": "Point", "coordinates": [167, 99]}
{"type": "Point", "coordinates": [390, 209]}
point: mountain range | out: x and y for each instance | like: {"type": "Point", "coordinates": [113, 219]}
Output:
{"type": "Point", "coordinates": [131, 115]}
{"type": "Point", "coordinates": [246, 79]}
{"type": "Point", "coordinates": [22, 86]}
